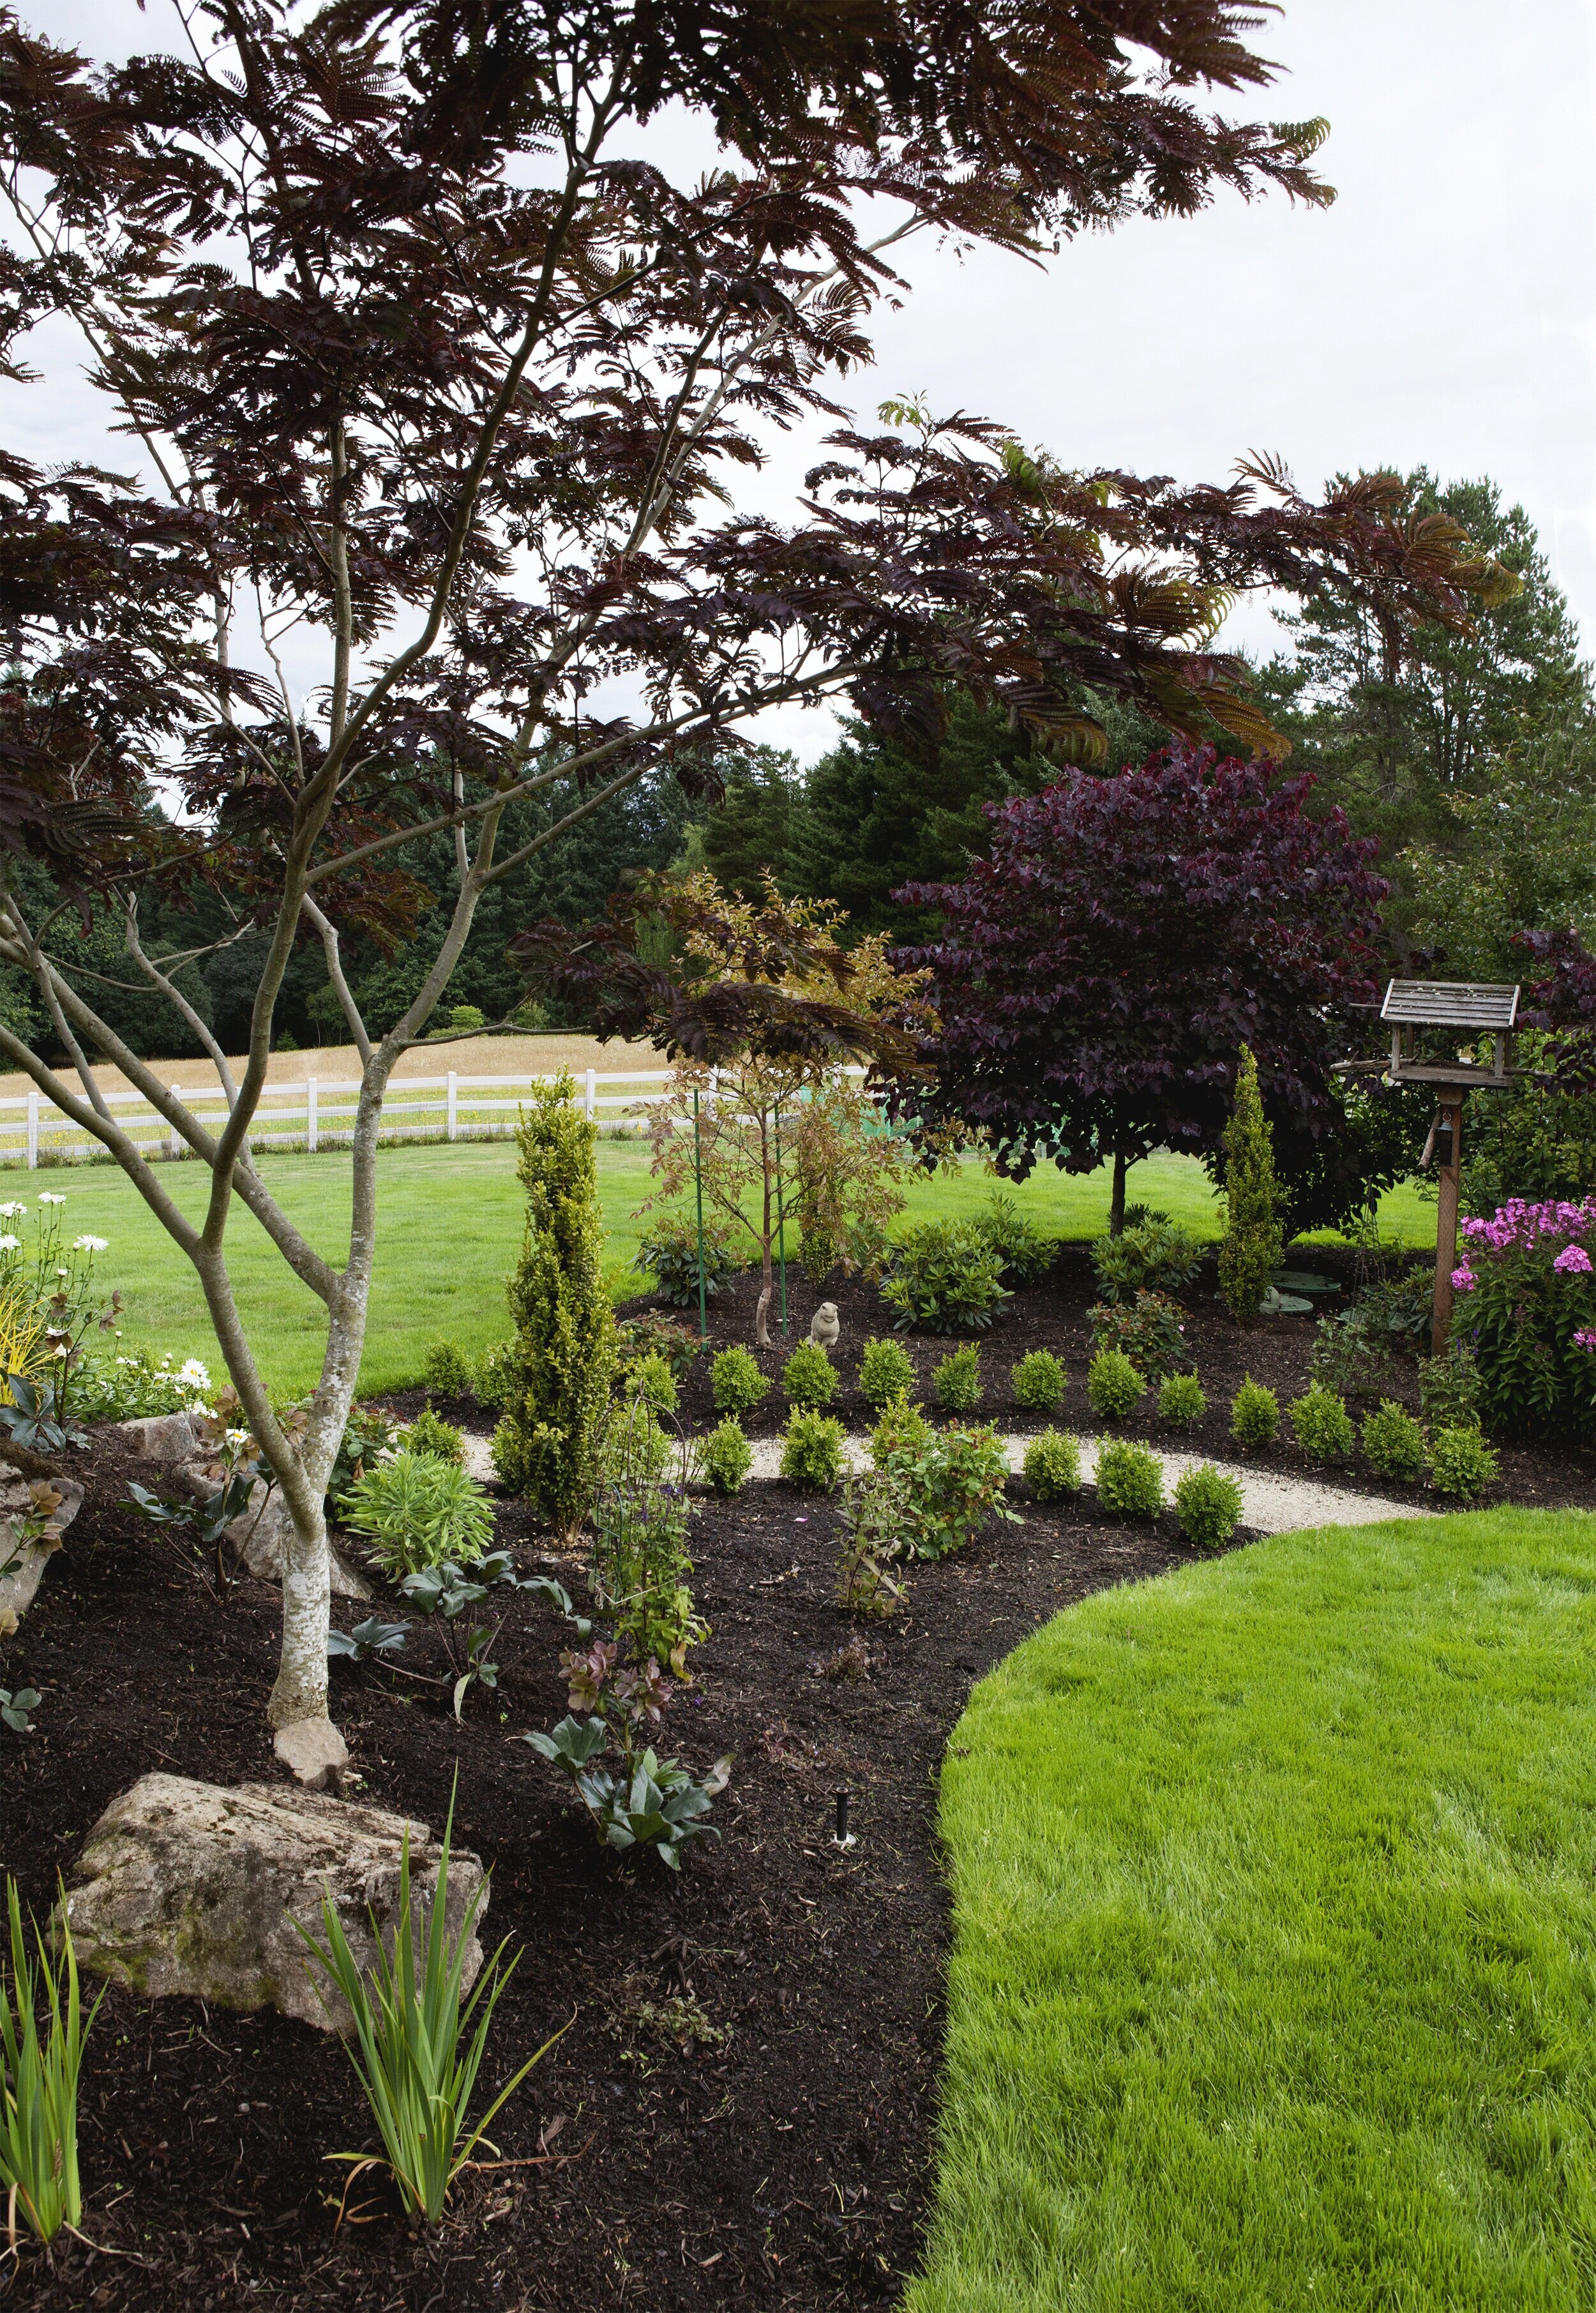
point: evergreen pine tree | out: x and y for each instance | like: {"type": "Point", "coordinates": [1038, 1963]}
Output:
{"type": "Point", "coordinates": [559, 1366]}
{"type": "Point", "coordinates": [1252, 1244]}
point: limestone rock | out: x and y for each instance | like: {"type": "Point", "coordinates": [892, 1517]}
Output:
{"type": "Point", "coordinates": [186, 1889]}
{"type": "Point", "coordinates": [17, 1588]}
{"type": "Point", "coordinates": [313, 1751]}
{"type": "Point", "coordinates": [167, 1438]}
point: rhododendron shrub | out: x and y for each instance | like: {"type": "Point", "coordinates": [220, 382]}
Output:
{"type": "Point", "coordinates": [1527, 1305]}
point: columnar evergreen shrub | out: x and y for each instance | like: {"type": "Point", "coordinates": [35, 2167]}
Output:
{"type": "Point", "coordinates": [1322, 1424]}
{"type": "Point", "coordinates": [886, 1371]}
{"type": "Point", "coordinates": [1038, 1382]}
{"type": "Point", "coordinates": [1209, 1505]}
{"type": "Point", "coordinates": [1113, 1384]}
{"type": "Point", "coordinates": [558, 1366]}
{"type": "Point", "coordinates": [1052, 1465]}
{"type": "Point", "coordinates": [736, 1383]}
{"type": "Point", "coordinates": [1181, 1401]}
{"type": "Point", "coordinates": [1129, 1479]}
{"type": "Point", "coordinates": [1393, 1443]}
{"type": "Point", "coordinates": [1253, 1243]}
{"type": "Point", "coordinates": [1255, 1415]}
{"type": "Point", "coordinates": [956, 1380]}
{"type": "Point", "coordinates": [808, 1377]}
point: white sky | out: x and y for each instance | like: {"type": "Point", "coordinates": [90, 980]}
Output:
{"type": "Point", "coordinates": [1443, 311]}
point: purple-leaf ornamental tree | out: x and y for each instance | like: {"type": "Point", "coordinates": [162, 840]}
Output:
{"type": "Point", "coordinates": [1098, 974]}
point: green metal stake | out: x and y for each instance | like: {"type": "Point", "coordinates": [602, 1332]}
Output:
{"type": "Point", "coordinates": [698, 1182]}
{"type": "Point", "coordinates": [781, 1222]}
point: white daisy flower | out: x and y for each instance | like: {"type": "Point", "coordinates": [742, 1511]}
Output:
{"type": "Point", "coordinates": [45, 1198]}
{"type": "Point", "coordinates": [9, 1243]}
{"type": "Point", "coordinates": [10, 1212]}
{"type": "Point", "coordinates": [89, 1243]}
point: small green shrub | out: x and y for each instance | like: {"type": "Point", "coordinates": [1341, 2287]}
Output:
{"type": "Point", "coordinates": [446, 1370]}
{"type": "Point", "coordinates": [1026, 1255]}
{"type": "Point", "coordinates": [873, 1526]}
{"type": "Point", "coordinates": [1148, 1330]}
{"type": "Point", "coordinates": [1449, 1388]}
{"type": "Point", "coordinates": [1209, 1505]}
{"type": "Point", "coordinates": [902, 1428]}
{"type": "Point", "coordinates": [417, 1512]}
{"type": "Point", "coordinates": [1129, 1479]}
{"type": "Point", "coordinates": [429, 1434]}
{"type": "Point", "coordinates": [952, 1483]}
{"type": "Point", "coordinates": [653, 1333]}
{"type": "Point", "coordinates": [668, 1257]}
{"type": "Point", "coordinates": [957, 1380]}
{"type": "Point", "coordinates": [1461, 1462]}
{"type": "Point", "coordinates": [736, 1382]}
{"type": "Point", "coordinates": [726, 1457]}
{"type": "Point", "coordinates": [1322, 1424]}
{"type": "Point", "coordinates": [651, 1381]}
{"type": "Point", "coordinates": [945, 1277]}
{"type": "Point", "coordinates": [1393, 1443]}
{"type": "Point", "coordinates": [812, 1451]}
{"type": "Point", "coordinates": [1255, 1415]}
{"type": "Point", "coordinates": [1113, 1386]}
{"type": "Point", "coordinates": [1181, 1401]}
{"type": "Point", "coordinates": [886, 1371]}
{"type": "Point", "coordinates": [808, 1377]}
{"type": "Point", "coordinates": [1158, 1257]}
{"type": "Point", "coordinates": [493, 1377]}
{"type": "Point", "coordinates": [1038, 1382]}
{"type": "Point", "coordinates": [1053, 1466]}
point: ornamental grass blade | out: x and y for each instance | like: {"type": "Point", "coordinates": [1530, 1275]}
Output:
{"type": "Point", "coordinates": [38, 2079]}
{"type": "Point", "coordinates": [406, 2049]}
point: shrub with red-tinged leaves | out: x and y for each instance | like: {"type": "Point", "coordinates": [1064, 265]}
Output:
{"type": "Point", "coordinates": [1100, 972]}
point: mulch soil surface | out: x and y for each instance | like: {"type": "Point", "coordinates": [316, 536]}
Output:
{"type": "Point", "coordinates": [740, 2111]}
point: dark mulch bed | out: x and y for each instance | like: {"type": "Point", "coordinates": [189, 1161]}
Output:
{"type": "Point", "coordinates": [781, 2159]}
{"type": "Point", "coordinates": [1054, 1315]}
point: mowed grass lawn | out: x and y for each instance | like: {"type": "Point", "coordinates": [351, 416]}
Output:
{"type": "Point", "coordinates": [1274, 1982]}
{"type": "Point", "coordinates": [449, 1227]}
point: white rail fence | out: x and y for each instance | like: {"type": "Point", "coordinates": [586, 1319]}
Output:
{"type": "Point", "coordinates": [319, 1113]}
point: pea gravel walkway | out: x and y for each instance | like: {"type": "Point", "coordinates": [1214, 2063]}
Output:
{"type": "Point", "coordinates": [1270, 1502]}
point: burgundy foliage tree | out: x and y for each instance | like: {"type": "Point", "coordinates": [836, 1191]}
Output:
{"type": "Point", "coordinates": [437, 382]}
{"type": "Point", "coordinates": [1098, 974]}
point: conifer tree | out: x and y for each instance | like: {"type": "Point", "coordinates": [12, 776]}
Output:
{"type": "Point", "coordinates": [547, 1447]}
{"type": "Point", "coordinates": [1252, 1244]}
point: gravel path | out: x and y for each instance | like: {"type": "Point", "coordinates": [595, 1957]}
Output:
{"type": "Point", "coordinates": [1270, 1503]}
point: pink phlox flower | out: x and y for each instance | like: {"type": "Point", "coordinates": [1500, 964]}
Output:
{"type": "Point", "coordinates": [1585, 1339]}
{"type": "Point", "coordinates": [1463, 1280]}
{"type": "Point", "coordinates": [1573, 1260]}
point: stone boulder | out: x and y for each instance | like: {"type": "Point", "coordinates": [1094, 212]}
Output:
{"type": "Point", "coordinates": [185, 1888]}
{"type": "Point", "coordinates": [27, 1560]}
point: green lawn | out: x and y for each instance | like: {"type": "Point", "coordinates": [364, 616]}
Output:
{"type": "Point", "coordinates": [449, 1226]}
{"type": "Point", "coordinates": [1273, 1983]}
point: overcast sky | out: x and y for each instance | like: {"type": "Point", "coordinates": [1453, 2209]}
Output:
{"type": "Point", "coordinates": [1441, 313]}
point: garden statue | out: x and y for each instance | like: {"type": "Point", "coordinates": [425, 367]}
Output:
{"type": "Point", "coordinates": [825, 1327]}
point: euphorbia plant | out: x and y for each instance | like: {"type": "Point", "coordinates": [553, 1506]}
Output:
{"type": "Point", "coordinates": [436, 384]}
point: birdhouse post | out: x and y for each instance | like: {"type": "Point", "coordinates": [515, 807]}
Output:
{"type": "Point", "coordinates": [1471, 1010]}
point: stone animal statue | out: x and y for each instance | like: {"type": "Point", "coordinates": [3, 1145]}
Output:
{"type": "Point", "coordinates": [825, 1327]}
